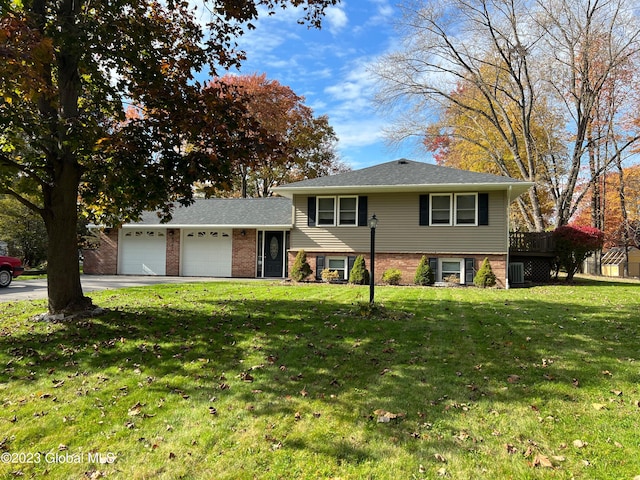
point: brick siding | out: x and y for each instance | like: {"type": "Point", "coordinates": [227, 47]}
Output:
{"type": "Point", "coordinates": [243, 262]}
{"type": "Point", "coordinates": [407, 263]}
{"type": "Point", "coordinates": [104, 259]}
{"type": "Point", "coordinates": [173, 252]}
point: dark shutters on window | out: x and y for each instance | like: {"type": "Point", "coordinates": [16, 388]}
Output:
{"type": "Point", "coordinates": [311, 211]}
{"type": "Point", "coordinates": [483, 209]}
{"type": "Point", "coordinates": [319, 266]}
{"type": "Point", "coordinates": [433, 263]}
{"type": "Point", "coordinates": [469, 270]}
{"type": "Point", "coordinates": [424, 210]}
{"type": "Point", "coordinates": [363, 206]}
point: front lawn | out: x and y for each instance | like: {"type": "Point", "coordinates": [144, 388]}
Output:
{"type": "Point", "coordinates": [255, 380]}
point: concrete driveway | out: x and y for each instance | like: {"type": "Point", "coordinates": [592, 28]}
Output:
{"type": "Point", "coordinates": [37, 289]}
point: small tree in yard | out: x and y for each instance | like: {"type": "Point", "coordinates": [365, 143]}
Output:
{"type": "Point", "coordinates": [359, 274]}
{"type": "Point", "coordinates": [485, 277]}
{"type": "Point", "coordinates": [424, 273]}
{"type": "Point", "coordinates": [301, 268]}
{"type": "Point", "coordinates": [574, 244]}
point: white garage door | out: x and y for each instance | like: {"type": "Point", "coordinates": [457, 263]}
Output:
{"type": "Point", "coordinates": [143, 252]}
{"type": "Point", "coordinates": [206, 253]}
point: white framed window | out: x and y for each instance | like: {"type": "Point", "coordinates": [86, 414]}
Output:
{"type": "Point", "coordinates": [451, 270]}
{"type": "Point", "coordinates": [326, 213]}
{"type": "Point", "coordinates": [466, 212]}
{"type": "Point", "coordinates": [339, 264]}
{"type": "Point", "coordinates": [348, 211]}
{"type": "Point", "coordinates": [440, 209]}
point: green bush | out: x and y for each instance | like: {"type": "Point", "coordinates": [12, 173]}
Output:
{"type": "Point", "coordinates": [485, 277]}
{"type": "Point", "coordinates": [424, 273]}
{"type": "Point", "coordinates": [301, 268]}
{"type": "Point", "coordinates": [359, 274]}
{"type": "Point", "coordinates": [392, 276]}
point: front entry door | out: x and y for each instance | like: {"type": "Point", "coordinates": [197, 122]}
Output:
{"type": "Point", "coordinates": [273, 254]}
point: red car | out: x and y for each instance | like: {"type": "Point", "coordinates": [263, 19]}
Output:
{"type": "Point", "coordinates": [10, 268]}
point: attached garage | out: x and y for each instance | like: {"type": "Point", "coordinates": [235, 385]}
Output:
{"type": "Point", "coordinates": [143, 252]}
{"type": "Point", "coordinates": [206, 252]}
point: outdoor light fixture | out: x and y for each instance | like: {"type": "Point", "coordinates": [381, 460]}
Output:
{"type": "Point", "coordinates": [373, 223]}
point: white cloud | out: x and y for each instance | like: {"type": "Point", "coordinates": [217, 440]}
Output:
{"type": "Point", "coordinates": [336, 18]}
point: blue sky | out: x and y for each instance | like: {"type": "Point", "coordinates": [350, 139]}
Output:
{"type": "Point", "coordinates": [329, 67]}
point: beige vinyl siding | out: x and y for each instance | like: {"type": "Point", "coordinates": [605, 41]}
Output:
{"type": "Point", "coordinates": [398, 229]}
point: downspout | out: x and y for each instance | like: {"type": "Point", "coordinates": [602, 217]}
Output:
{"type": "Point", "coordinates": [506, 273]}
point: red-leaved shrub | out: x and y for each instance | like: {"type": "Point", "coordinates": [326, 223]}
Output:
{"type": "Point", "coordinates": [574, 243]}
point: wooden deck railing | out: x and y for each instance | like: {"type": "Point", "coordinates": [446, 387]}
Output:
{"type": "Point", "coordinates": [531, 242]}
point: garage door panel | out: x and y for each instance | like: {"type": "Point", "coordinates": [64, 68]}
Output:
{"type": "Point", "coordinates": [143, 252]}
{"type": "Point", "coordinates": [206, 253]}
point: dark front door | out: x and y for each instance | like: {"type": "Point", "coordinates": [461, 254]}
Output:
{"type": "Point", "coordinates": [273, 254]}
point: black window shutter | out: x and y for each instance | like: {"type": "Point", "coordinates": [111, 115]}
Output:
{"type": "Point", "coordinates": [424, 210]}
{"type": "Point", "coordinates": [350, 261]}
{"type": "Point", "coordinates": [363, 207]}
{"type": "Point", "coordinates": [311, 211]}
{"type": "Point", "coordinates": [319, 266]}
{"type": "Point", "coordinates": [433, 263]}
{"type": "Point", "coordinates": [483, 209]}
{"type": "Point", "coordinates": [469, 270]}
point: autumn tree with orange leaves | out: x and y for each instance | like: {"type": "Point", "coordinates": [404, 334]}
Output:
{"type": "Point", "coordinates": [68, 70]}
{"type": "Point", "coordinates": [303, 145]}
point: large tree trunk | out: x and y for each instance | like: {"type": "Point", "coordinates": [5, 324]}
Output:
{"type": "Point", "coordinates": [61, 219]}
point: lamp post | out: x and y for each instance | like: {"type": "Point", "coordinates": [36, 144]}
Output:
{"type": "Point", "coordinates": [373, 223]}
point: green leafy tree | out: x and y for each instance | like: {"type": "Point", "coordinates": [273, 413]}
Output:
{"type": "Point", "coordinates": [424, 273]}
{"type": "Point", "coordinates": [484, 276]}
{"type": "Point", "coordinates": [301, 268]}
{"type": "Point", "coordinates": [68, 71]}
{"type": "Point", "coordinates": [359, 274]}
{"type": "Point", "coordinates": [24, 232]}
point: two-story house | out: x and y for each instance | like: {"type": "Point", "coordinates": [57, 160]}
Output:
{"type": "Point", "coordinates": [454, 217]}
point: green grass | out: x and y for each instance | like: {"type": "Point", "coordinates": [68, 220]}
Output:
{"type": "Point", "coordinates": [255, 380]}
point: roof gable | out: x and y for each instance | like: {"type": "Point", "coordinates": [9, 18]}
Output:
{"type": "Point", "coordinates": [403, 175]}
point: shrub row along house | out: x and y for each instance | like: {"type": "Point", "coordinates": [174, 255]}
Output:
{"type": "Point", "coordinates": [456, 218]}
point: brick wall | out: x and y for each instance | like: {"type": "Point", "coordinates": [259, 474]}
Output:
{"type": "Point", "coordinates": [243, 263]}
{"type": "Point", "coordinates": [173, 252]}
{"type": "Point", "coordinates": [104, 259]}
{"type": "Point", "coordinates": [407, 263]}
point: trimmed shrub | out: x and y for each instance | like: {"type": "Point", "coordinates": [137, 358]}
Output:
{"type": "Point", "coordinates": [330, 275]}
{"type": "Point", "coordinates": [574, 243]}
{"type": "Point", "coordinates": [301, 268]}
{"type": "Point", "coordinates": [359, 274]}
{"type": "Point", "coordinates": [392, 276]}
{"type": "Point", "coordinates": [424, 273]}
{"type": "Point", "coordinates": [485, 277]}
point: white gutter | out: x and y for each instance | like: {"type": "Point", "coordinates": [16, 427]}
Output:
{"type": "Point", "coordinates": [198, 225]}
{"type": "Point", "coordinates": [506, 276]}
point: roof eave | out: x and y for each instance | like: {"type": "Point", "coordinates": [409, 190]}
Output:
{"type": "Point", "coordinates": [517, 188]}
{"type": "Point", "coordinates": [205, 225]}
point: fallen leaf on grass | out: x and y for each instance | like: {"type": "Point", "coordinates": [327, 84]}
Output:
{"type": "Point", "coordinates": [440, 458]}
{"type": "Point", "coordinates": [599, 406]}
{"type": "Point", "coordinates": [513, 378]}
{"type": "Point", "coordinates": [542, 461]}
{"type": "Point", "coordinates": [617, 393]}
{"type": "Point", "coordinates": [579, 444]}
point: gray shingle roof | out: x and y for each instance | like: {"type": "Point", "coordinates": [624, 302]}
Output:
{"type": "Point", "coordinates": [231, 212]}
{"type": "Point", "coordinates": [403, 174]}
